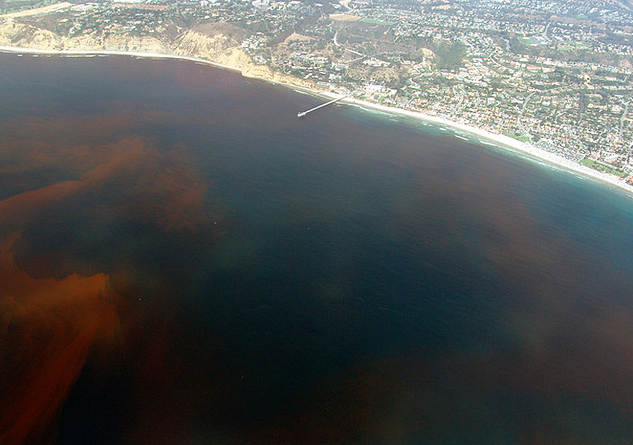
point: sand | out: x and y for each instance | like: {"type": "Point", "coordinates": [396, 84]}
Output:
{"type": "Point", "coordinates": [503, 141]}
{"type": "Point", "coordinates": [42, 10]}
{"type": "Point", "coordinates": [506, 142]}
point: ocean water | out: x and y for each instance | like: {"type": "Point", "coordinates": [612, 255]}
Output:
{"type": "Point", "coordinates": [182, 260]}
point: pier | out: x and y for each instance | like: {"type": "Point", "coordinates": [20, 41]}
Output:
{"type": "Point", "coordinates": [303, 113]}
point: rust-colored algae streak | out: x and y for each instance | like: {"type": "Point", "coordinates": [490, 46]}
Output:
{"type": "Point", "coordinates": [156, 187]}
{"type": "Point", "coordinates": [48, 328]}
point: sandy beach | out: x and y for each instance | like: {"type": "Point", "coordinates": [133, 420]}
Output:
{"type": "Point", "coordinates": [503, 141]}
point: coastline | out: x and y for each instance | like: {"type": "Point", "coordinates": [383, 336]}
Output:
{"type": "Point", "coordinates": [504, 142]}
{"type": "Point", "coordinates": [55, 52]}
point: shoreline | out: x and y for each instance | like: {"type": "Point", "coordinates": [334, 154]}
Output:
{"type": "Point", "coordinates": [504, 142]}
{"type": "Point", "coordinates": [84, 53]}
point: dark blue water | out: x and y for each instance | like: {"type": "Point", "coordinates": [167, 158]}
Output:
{"type": "Point", "coordinates": [349, 277]}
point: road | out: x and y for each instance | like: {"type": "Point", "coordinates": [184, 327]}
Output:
{"type": "Point", "coordinates": [525, 103]}
{"type": "Point", "coordinates": [344, 48]}
{"type": "Point", "coordinates": [624, 114]}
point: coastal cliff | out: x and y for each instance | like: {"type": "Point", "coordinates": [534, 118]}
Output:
{"type": "Point", "coordinates": [225, 50]}
{"type": "Point", "coordinates": [28, 36]}
{"type": "Point", "coordinates": [217, 45]}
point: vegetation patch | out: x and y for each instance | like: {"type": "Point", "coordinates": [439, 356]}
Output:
{"type": "Point", "coordinates": [527, 41]}
{"type": "Point", "coordinates": [375, 22]}
{"type": "Point", "coordinates": [572, 46]}
{"type": "Point", "coordinates": [519, 137]}
{"type": "Point", "coordinates": [603, 167]}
